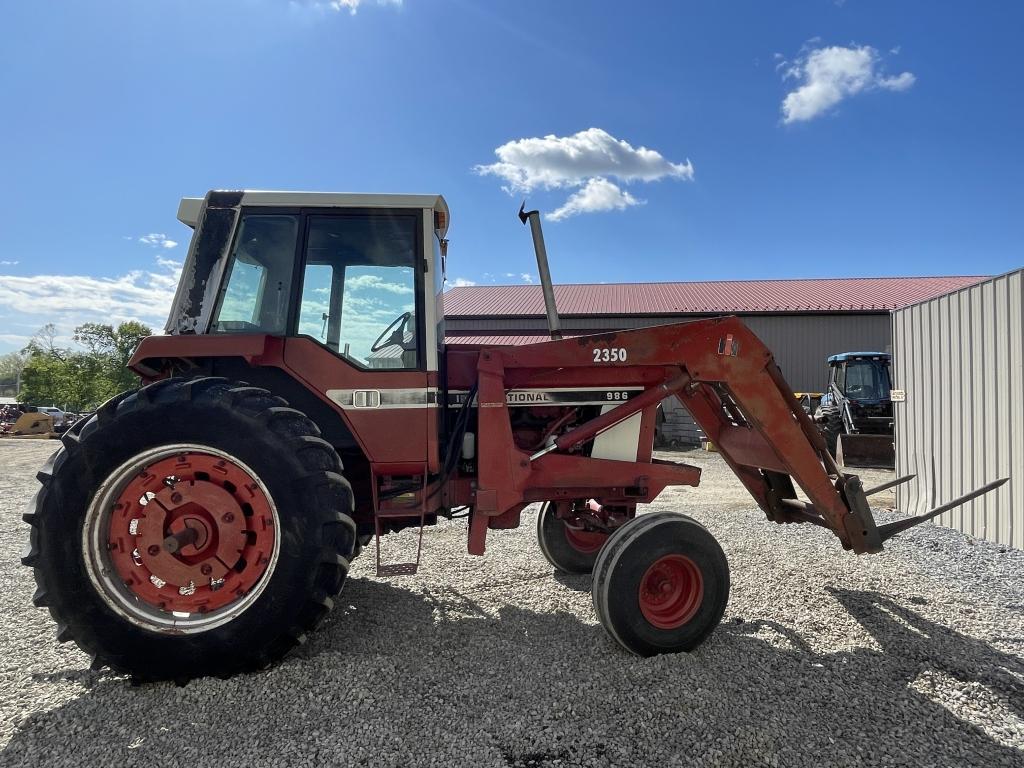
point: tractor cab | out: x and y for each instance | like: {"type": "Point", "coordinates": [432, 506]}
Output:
{"type": "Point", "coordinates": [360, 275]}
{"type": "Point", "coordinates": [861, 377]}
{"type": "Point", "coordinates": [855, 415]}
{"type": "Point", "coordinates": [860, 382]}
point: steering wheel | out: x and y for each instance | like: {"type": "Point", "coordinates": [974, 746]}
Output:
{"type": "Point", "coordinates": [397, 333]}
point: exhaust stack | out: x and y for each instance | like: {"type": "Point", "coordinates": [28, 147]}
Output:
{"type": "Point", "coordinates": [554, 325]}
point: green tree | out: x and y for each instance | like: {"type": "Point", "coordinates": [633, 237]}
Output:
{"type": "Point", "coordinates": [44, 342]}
{"type": "Point", "coordinates": [75, 382]}
{"type": "Point", "coordinates": [11, 366]}
{"type": "Point", "coordinates": [80, 380]}
{"type": "Point", "coordinates": [114, 346]}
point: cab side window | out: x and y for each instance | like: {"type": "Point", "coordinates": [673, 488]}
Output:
{"type": "Point", "coordinates": [841, 377]}
{"type": "Point", "coordinates": [256, 291]}
{"type": "Point", "coordinates": [359, 288]}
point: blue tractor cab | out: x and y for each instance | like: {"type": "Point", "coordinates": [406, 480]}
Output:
{"type": "Point", "coordinates": [855, 415]}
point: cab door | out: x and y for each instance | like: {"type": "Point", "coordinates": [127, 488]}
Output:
{"type": "Point", "coordinates": [361, 299]}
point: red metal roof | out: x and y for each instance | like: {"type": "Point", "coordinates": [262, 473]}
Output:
{"type": "Point", "coordinates": [857, 294]}
{"type": "Point", "coordinates": [484, 339]}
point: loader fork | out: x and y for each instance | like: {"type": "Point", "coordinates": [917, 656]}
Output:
{"type": "Point", "coordinates": [777, 445]}
{"type": "Point", "coordinates": [770, 444]}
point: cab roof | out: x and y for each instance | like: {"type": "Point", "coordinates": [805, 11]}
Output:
{"type": "Point", "coordinates": [844, 356]}
{"type": "Point", "coordinates": [189, 208]}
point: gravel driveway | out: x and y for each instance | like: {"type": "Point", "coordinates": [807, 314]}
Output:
{"type": "Point", "coordinates": [913, 657]}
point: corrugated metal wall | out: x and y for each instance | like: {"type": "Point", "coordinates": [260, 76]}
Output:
{"type": "Point", "coordinates": [960, 358]}
{"type": "Point", "coordinates": [801, 342]}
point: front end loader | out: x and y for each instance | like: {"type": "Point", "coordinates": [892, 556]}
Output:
{"type": "Point", "coordinates": [303, 404]}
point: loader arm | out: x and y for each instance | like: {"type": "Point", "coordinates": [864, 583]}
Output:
{"type": "Point", "coordinates": [726, 378]}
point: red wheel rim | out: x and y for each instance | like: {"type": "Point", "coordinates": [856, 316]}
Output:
{"type": "Point", "coordinates": [191, 533]}
{"type": "Point", "coordinates": [671, 591]}
{"type": "Point", "coordinates": [584, 541]}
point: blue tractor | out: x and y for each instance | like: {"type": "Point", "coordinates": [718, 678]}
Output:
{"type": "Point", "coordinates": [855, 415]}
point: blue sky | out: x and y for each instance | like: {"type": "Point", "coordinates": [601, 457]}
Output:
{"type": "Point", "coordinates": [796, 139]}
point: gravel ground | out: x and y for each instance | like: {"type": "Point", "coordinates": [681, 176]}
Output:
{"type": "Point", "coordinates": [913, 657]}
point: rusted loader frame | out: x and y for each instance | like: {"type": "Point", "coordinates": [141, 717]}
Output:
{"type": "Point", "coordinates": [729, 382]}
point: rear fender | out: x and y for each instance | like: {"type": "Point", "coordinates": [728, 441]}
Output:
{"type": "Point", "coordinates": [311, 378]}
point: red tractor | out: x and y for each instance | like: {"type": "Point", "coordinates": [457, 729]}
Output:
{"type": "Point", "coordinates": [303, 403]}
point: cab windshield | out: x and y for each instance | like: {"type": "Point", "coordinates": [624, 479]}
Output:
{"type": "Point", "coordinates": [867, 380]}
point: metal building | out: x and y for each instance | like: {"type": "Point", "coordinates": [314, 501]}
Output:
{"type": "Point", "coordinates": [801, 321]}
{"type": "Point", "coordinates": [959, 358]}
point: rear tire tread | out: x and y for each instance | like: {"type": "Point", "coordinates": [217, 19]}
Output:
{"type": "Point", "coordinates": [300, 438]}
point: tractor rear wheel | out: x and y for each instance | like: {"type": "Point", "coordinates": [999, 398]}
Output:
{"type": "Point", "coordinates": [661, 584]}
{"type": "Point", "coordinates": [568, 549]}
{"type": "Point", "coordinates": [194, 527]}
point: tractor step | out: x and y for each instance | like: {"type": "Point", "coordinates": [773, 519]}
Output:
{"type": "Point", "coordinates": [397, 569]}
{"type": "Point", "coordinates": [400, 569]}
{"type": "Point", "coordinates": [390, 510]}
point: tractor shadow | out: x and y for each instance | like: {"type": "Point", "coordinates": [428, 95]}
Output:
{"type": "Point", "coordinates": [412, 676]}
{"type": "Point", "coordinates": [573, 581]}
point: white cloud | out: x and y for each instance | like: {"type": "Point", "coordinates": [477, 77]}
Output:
{"type": "Point", "coordinates": [342, 5]}
{"type": "Point", "coordinates": [569, 161]}
{"type": "Point", "coordinates": [526, 277]}
{"type": "Point", "coordinates": [585, 160]}
{"type": "Point", "coordinates": [598, 194]}
{"type": "Point", "coordinates": [9, 263]}
{"type": "Point", "coordinates": [158, 240]}
{"type": "Point", "coordinates": [829, 75]}
{"type": "Point", "coordinates": [901, 82]}
{"type": "Point", "coordinates": [15, 340]}
{"type": "Point", "coordinates": [70, 300]}
{"type": "Point", "coordinates": [377, 283]}
{"type": "Point", "coordinates": [461, 282]}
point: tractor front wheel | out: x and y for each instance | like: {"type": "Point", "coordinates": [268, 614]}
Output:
{"type": "Point", "coordinates": [194, 527]}
{"type": "Point", "coordinates": [830, 424]}
{"type": "Point", "coordinates": [569, 549]}
{"type": "Point", "coordinates": [661, 584]}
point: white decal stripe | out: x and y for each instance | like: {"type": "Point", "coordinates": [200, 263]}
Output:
{"type": "Point", "coordinates": [429, 397]}
{"type": "Point", "coordinates": [390, 399]}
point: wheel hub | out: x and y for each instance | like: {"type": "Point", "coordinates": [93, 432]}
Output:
{"type": "Point", "coordinates": [187, 535]}
{"type": "Point", "coordinates": [671, 591]}
{"type": "Point", "coordinates": [206, 526]}
{"type": "Point", "coordinates": [583, 540]}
